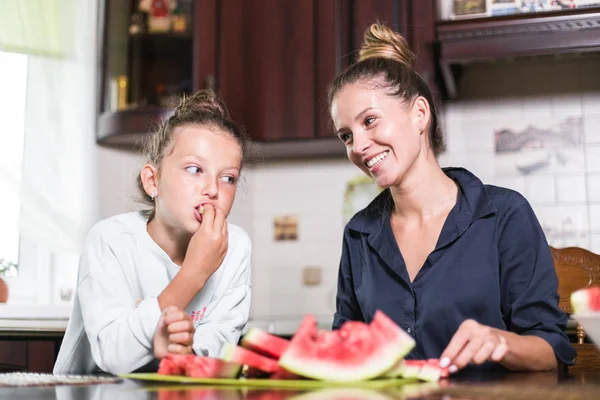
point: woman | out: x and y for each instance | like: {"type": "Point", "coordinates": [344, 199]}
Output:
{"type": "Point", "coordinates": [463, 267]}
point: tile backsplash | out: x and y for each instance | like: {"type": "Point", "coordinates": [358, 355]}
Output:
{"type": "Point", "coordinates": [561, 182]}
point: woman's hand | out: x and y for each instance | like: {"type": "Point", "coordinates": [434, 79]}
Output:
{"type": "Point", "coordinates": [174, 333]}
{"type": "Point", "coordinates": [473, 343]}
{"type": "Point", "coordinates": [208, 245]}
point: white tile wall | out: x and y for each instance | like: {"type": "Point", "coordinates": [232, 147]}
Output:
{"type": "Point", "coordinates": [571, 189]}
{"type": "Point", "coordinates": [593, 187]}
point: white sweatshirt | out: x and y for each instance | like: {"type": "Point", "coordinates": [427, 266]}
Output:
{"type": "Point", "coordinates": [115, 312]}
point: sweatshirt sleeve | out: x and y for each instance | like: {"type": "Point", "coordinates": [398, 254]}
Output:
{"type": "Point", "coordinates": [227, 320]}
{"type": "Point", "coordinates": [119, 332]}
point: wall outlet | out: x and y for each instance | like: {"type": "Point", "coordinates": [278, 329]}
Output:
{"type": "Point", "coordinates": [311, 276]}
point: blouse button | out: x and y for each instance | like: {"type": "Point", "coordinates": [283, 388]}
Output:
{"type": "Point", "coordinates": [408, 330]}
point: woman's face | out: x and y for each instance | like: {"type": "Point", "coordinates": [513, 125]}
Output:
{"type": "Point", "coordinates": [383, 135]}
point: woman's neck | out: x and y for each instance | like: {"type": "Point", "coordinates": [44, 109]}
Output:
{"type": "Point", "coordinates": [173, 243]}
{"type": "Point", "coordinates": [424, 193]}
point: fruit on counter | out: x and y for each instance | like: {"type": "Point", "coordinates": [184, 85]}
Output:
{"type": "Point", "coordinates": [357, 351]}
{"type": "Point", "coordinates": [264, 343]}
{"type": "Point", "coordinates": [240, 355]}
{"type": "Point", "coordinates": [198, 367]}
{"type": "Point", "coordinates": [406, 369]}
{"type": "Point", "coordinates": [586, 300]}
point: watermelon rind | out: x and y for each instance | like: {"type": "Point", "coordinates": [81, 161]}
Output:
{"type": "Point", "coordinates": [264, 343]}
{"type": "Point", "coordinates": [398, 344]}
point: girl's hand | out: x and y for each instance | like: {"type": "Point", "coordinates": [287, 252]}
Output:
{"type": "Point", "coordinates": [174, 334]}
{"type": "Point", "coordinates": [208, 245]}
{"type": "Point", "coordinates": [473, 343]}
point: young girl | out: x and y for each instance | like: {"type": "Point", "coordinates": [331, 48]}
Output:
{"type": "Point", "coordinates": [463, 267]}
{"type": "Point", "coordinates": [175, 277]}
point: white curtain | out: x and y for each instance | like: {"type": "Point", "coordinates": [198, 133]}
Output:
{"type": "Point", "coordinates": [59, 196]}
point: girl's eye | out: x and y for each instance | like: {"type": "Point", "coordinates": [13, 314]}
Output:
{"type": "Point", "coordinates": [193, 169]}
{"type": "Point", "coordinates": [369, 121]}
{"type": "Point", "coordinates": [346, 136]}
{"type": "Point", "coordinates": [229, 179]}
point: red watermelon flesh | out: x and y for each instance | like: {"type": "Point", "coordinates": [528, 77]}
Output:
{"type": "Point", "coordinates": [240, 355]}
{"type": "Point", "coordinates": [264, 343]}
{"type": "Point", "coordinates": [357, 351]}
{"type": "Point", "coordinates": [197, 366]}
{"type": "Point", "coordinates": [207, 367]}
{"type": "Point", "coordinates": [174, 364]}
{"type": "Point", "coordinates": [586, 300]}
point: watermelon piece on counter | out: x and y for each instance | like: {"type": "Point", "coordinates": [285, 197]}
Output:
{"type": "Point", "coordinates": [197, 366]}
{"type": "Point", "coordinates": [586, 300]}
{"type": "Point", "coordinates": [430, 373]}
{"type": "Point", "coordinates": [168, 366]}
{"type": "Point", "coordinates": [208, 367]}
{"type": "Point", "coordinates": [240, 355]}
{"type": "Point", "coordinates": [357, 351]}
{"type": "Point", "coordinates": [264, 343]}
{"type": "Point", "coordinates": [412, 368]}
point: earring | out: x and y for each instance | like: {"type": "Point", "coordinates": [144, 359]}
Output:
{"type": "Point", "coordinates": [152, 195]}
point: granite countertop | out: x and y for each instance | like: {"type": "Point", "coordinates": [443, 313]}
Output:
{"type": "Point", "coordinates": [54, 318]}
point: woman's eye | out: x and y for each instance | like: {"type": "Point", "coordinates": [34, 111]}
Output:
{"type": "Point", "coordinates": [345, 137]}
{"type": "Point", "coordinates": [193, 169]}
{"type": "Point", "coordinates": [369, 120]}
{"type": "Point", "coordinates": [229, 179]}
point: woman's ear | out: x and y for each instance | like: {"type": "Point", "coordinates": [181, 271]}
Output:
{"type": "Point", "coordinates": [149, 177]}
{"type": "Point", "coordinates": [422, 113]}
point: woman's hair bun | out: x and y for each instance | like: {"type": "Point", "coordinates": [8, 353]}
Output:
{"type": "Point", "coordinates": [382, 42]}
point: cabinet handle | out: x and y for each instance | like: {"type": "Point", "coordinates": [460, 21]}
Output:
{"type": "Point", "coordinates": [209, 82]}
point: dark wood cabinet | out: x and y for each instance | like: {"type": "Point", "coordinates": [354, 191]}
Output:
{"type": "Point", "coordinates": [271, 60]}
{"type": "Point", "coordinates": [29, 352]}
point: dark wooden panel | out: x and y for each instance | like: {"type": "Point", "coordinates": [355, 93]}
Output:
{"type": "Point", "coordinates": [41, 355]}
{"type": "Point", "coordinates": [205, 43]}
{"type": "Point", "coordinates": [13, 355]}
{"type": "Point", "coordinates": [331, 25]}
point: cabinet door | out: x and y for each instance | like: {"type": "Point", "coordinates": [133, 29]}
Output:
{"type": "Point", "coordinates": [263, 63]}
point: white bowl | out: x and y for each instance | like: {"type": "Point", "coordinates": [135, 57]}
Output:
{"type": "Point", "coordinates": [591, 325]}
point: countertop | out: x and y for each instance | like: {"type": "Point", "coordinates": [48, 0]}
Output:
{"type": "Point", "coordinates": [54, 318]}
{"type": "Point", "coordinates": [530, 386]}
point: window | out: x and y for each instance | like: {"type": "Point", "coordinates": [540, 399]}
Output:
{"type": "Point", "coordinates": [13, 81]}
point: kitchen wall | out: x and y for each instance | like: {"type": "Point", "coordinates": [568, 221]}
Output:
{"type": "Point", "coordinates": [535, 97]}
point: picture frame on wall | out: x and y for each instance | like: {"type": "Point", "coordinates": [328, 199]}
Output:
{"type": "Point", "coordinates": [470, 9]}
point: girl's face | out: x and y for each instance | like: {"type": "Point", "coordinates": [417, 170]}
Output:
{"type": "Point", "coordinates": [383, 135]}
{"type": "Point", "coordinates": [201, 166]}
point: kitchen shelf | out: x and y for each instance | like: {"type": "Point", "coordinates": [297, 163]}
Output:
{"type": "Point", "coordinates": [532, 34]}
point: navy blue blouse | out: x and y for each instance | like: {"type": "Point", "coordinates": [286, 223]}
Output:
{"type": "Point", "coordinates": [491, 264]}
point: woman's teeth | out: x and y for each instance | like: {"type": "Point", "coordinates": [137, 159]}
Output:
{"type": "Point", "coordinates": [377, 159]}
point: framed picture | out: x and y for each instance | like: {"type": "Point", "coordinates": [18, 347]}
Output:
{"type": "Point", "coordinates": [470, 9]}
{"type": "Point", "coordinates": [505, 7]}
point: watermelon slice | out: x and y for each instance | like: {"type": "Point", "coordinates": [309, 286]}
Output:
{"type": "Point", "coordinates": [586, 300]}
{"type": "Point", "coordinates": [264, 343]}
{"type": "Point", "coordinates": [356, 351]}
{"type": "Point", "coordinates": [207, 367]}
{"type": "Point", "coordinates": [240, 355]}
{"type": "Point", "coordinates": [197, 366]}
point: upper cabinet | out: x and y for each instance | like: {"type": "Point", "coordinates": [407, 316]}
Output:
{"type": "Point", "coordinates": [146, 59]}
{"type": "Point", "coordinates": [271, 61]}
{"type": "Point", "coordinates": [502, 30]}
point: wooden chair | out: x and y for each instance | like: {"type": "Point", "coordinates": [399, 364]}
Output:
{"type": "Point", "coordinates": [577, 268]}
